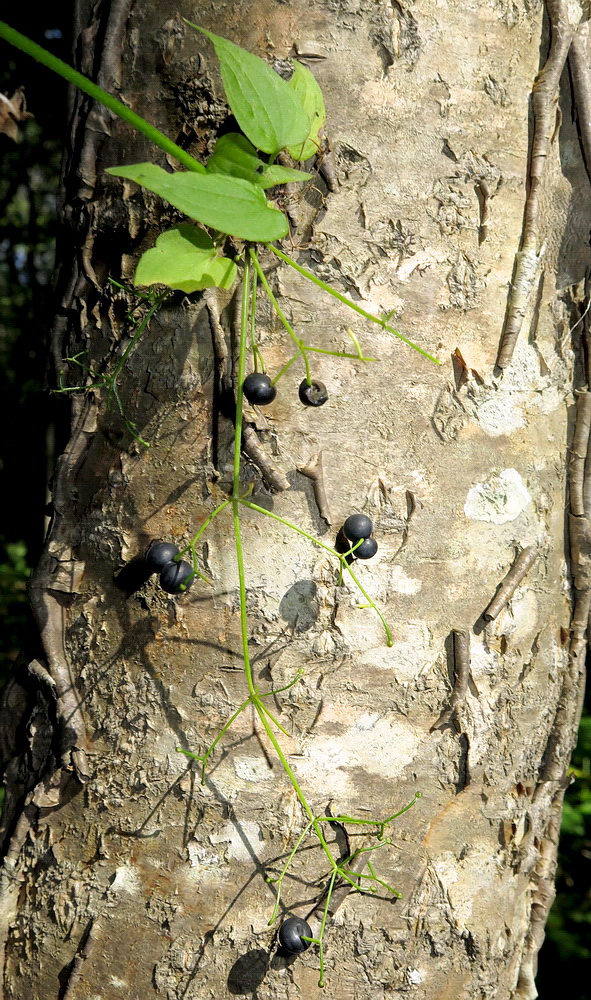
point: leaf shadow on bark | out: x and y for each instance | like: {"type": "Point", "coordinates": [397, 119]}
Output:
{"type": "Point", "coordinates": [248, 972]}
{"type": "Point", "coordinates": [137, 635]}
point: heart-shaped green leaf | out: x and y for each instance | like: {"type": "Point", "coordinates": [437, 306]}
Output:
{"type": "Point", "coordinates": [185, 258]}
{"type": "Point", "coordinates": [235, 155]}
{"type": "Point", "coordinates": [264, 105]}
{"type": "Point", "coordinates": [228, 204]}
{"type": "Point", "coordinates": [309, 94]}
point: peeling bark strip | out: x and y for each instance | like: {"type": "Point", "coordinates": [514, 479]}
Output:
{"type": "Point", "coordinates": [210, 297]}
{"type": "Point", "coordinates": [315, 472]}
{"type": "Point", "coordinates": [545, 99]}
{"type": "Point", "coordinates": [485, 194]}
{"type": "Point", "coordinates": [51, 584]}
{"type": "Point", "coordinates": [579, 453]}
{"type": "Point", "coordinates": [544, 894]}
{"type": "Point", "coordinates": [580, 71]}
{"type": "Point", "coordinates": [85, 950]}
{"type": "Point", "coordinates": [461, 654]}
{"type": "Point", "coordinates": [545, 813]}
{"type": "Point", "coordinates": [268, 468]}
{"type": "Point", "coordinates": [327, 168]}
{"type": "Point", "coordinates": [527, 265]}
{"type": "Point", "coordinates": [546, 808]}
{"type": "Point", "coordinates": [461, 641]}
{"type": "Point", "coordinates": [580, 506]}
{"type": "Point", "coordinates": [524, 560]}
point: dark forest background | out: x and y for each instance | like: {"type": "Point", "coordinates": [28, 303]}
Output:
{"type": "Point", "coordinates": [34, 427]}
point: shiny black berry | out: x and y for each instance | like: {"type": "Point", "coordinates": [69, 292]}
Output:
{"type": "Point", "coordinates": [176, 574]}
{"type": "Point", "coordinates": [314, 394]}
{"type": "Point", "coordinates": [258, 389]}
{"type": "Point", "coordinates": [367, 549]}
{"type": "Point", "coordinates": [160, 554]}
{"type": "Point", "coordinates": [290, 935]}
{"type": "Point", "coordinates": [357, 526]}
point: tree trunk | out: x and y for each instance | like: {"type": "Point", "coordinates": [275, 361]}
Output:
{"type": "Point", "coordinates": [126, 877]}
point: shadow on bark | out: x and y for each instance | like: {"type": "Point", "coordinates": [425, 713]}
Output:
{"type": "Point", "coordinates": [248, 972]}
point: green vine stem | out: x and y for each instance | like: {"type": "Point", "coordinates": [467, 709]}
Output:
{"type": "Point", "coordinates": [267, 719]}
{"type": "Point", "coordinates": [297, 341]}
{"type": "Point", "coordinates": [98, 94]}
{"type": "Point", "coordinates": [191, 546]}
{"type": "Point", "coordinates": [236, 501]}
{"type": "Point", "coordinates": [302, 347]}
{"type": "Point", "coordinates": [346, 872]}
{"type": "Point", "coordinates": [257, 357]}
{"type": "Point", "coordinates": [342, 298]}
{"type": "Point", "coordinates": [341, 557]}
{"type": "Point", "coordinates": [320, 939]}
{"type": "Point", "coordinates": [142, 327]}
{"type": "Point", "coordinates": [342, 873]}
{"type": "Point", "coordinates": [109, 382]}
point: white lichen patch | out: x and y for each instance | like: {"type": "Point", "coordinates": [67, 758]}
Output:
{"type": "Point", "coordinates": [205, 865]}
{"type": "Point", "coordinates": [126, 878]}
{"type": "Point", "coordinates": [244, 840]}
{"type": "Point", "coordinates": [529, 386]}
{"type": "Point", "coordinates": [367, 721]}
{"type": "Point", "coordinates": [400, 583]}
{"type": "Point", "coordinates": [500, 499]}
{"type": "Point", "coordinates": [501, 415]}
{"type": "Point", "coordinates": [528, 375]}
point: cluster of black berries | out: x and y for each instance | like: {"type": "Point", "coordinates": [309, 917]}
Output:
{"type": "Point", "coordinates": [357, 527]}
{"type": "Point", "coordinates": [175, 577]}
{"type": "Point", "coordinates": [258, 389]}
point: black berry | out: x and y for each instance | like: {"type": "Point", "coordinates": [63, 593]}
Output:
{"type": "Point", "coordinates": [314, 394]}
{"type": "Point", "coordinates": [258, 389]}
{"type": "Point", "coordinates": [290, 935]}
{"type": "Point", "coordinates": [357, 526]}
{"type": "Point", "coordinates": [367, 549]}
{"type": "Point", "coordinates": [176, 574]}
{"type": "Point", "coordinates": [160, 554]}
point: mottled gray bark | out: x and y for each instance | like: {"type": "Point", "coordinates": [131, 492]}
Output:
{"type": "Point", "coordinates": [123, 876]}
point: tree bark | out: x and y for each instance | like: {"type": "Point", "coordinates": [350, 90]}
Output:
{"type": "Point", "coordinates": [123, 875]}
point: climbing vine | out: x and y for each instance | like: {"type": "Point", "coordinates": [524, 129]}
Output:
{"type": "Point", "coordinates": [231, 218]}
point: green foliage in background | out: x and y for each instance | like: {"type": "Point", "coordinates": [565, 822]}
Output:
{"type": "Point", "coordinates": [14, 572]}
{"type": "Point", "coordinates": [567, 949]}
{"type": "Point", "coordinates": [29, 178]}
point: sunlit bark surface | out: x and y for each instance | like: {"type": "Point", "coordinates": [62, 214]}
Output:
{"type": "Point", "coordinates": [142, 882]}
